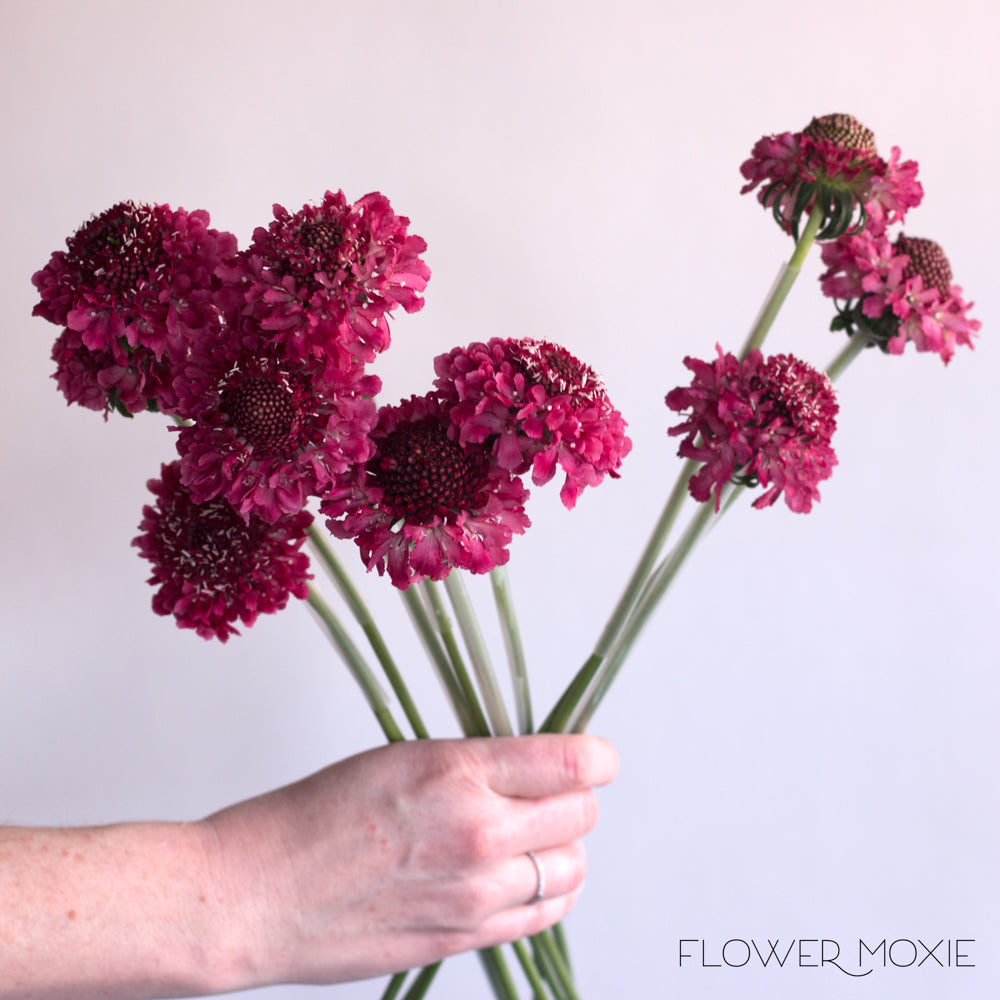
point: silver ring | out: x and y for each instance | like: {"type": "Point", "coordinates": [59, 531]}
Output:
{"type": "Point", "coordinates": [540, 872]}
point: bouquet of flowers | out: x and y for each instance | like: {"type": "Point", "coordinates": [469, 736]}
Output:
{"type": "Point", "coordinates": [261, 358]}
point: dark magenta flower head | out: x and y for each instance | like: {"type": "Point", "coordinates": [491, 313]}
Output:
{"type": "Point", "coordinates": [423, 503]}
{"type": "Point", "coordinates": [833, 162]}
{"type": "Point", "coordinates": [323, 281]}
{"type": "Point", "coordinates": [757, 421]}
{"type": "Point", "coordinates": [897, 293]}
{"type": "Point", "coordinates": [133, 285]}
{"type": "Point", "coordinates": [538, 407]}
{"type": "Point", "coordinates": [267, 431]}
{"type": "Point", "coordinates": [211, 566]}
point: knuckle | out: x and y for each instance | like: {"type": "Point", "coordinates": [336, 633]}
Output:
{"type": "Point", "coordinates": [473, 904]}
{"type": "Point", "coordinates": [474, 841]}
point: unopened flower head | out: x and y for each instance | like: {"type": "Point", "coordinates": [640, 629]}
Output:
{"type": "Point", "coordinates": [211, 566]}
{"type": "Point", "coordinates": [424, 504]}
{"type": "Point", "coordinates": [267, 431]}
{"type": "Point", "coordinates": [757, 421]}
{"type": "Point", "coordinates": [132, 286]}
{"type": "Point", "coordinates": [896, 293]}
{"type": "Point", "coordinates": [538, 407]}
{"type": "Point", "coordinates": [832, 163]}
{"type": "Point", "coordinates": [323, 281]}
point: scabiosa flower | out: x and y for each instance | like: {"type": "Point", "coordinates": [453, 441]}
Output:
{"type": "Point", "coordinates": [757, 421]}
{"type": "Point", "coordinates": [138, 274]}
{"type": "Point", "coordinates": [213, 566]}
{"type": "Point", "coordinates": [268, 431]}
{"type": "Point", "coordinates": [833, 161]}
{"type": "Point", "coordinates": [323, 281]}
{"type": "Point", "coordinates": [117, 378]}
{"type": "Point", "coordinates": [897, 293]}
{"type": "Point", "coordinates": [538, 407]}
{"type": "Point", "coordinates": [424, 504]}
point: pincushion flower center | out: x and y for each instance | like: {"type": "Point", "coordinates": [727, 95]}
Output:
{"type": "Point", "coordinates": [321, 240]}
{"type": "Point", "coordinates": [558, 371]}
{"type": "Point", "coordinates": [423, 474]}
{"type": "Point", "coordinates": [261, 410]}
{"type": "Point", "coordinates": [209, 542]}
{"type": "Point", "coordinates": [802, 398]}
{"type": "Point", "coordinates": [844, 131]}
{"type": "Point", "coordinates": [118, 248]}
{"type": "Point", "coordinates": [928, 260]}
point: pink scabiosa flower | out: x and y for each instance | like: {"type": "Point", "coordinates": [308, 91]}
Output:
{"type": "Point", "coordinates": [767, 421]}
{"type": "Point", "coordinates": [213, 566]}
{"type": "Point", "coordinates": [323, 281]}
{"type": "Point", "coordinates": [424, 504]}
{"type": "Point", "coordinates": [267, 431]}
{"type": "Point", "coordinates": [132, 286]}
{"type": "Point", "coordinates": [832, 161]}
{"type": "Point", "coordinates": [538, 407]}
{"type": "Point", "coordinates": [897, 292]}
{"type": "Point", "coordinates": [137, 274]}
{"type": "Point", "coordinates": [127, 380]}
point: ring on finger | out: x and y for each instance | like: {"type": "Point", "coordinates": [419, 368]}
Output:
{"type": "Point", "coordinates": [540, 875]}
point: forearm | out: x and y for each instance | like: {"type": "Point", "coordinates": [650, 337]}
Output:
{"type": "Point", "coordinates": [106, 912]}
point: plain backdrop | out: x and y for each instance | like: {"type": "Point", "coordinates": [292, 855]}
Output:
{"type": "Point", "coordinates": [808, 730]}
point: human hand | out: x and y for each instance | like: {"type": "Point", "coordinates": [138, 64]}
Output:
{"type": "Point", "coordinates": [403, 855]}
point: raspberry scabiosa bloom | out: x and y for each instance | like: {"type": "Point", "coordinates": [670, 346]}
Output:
{"type": "Point", "coordinates": [424, 504]}
{"type": "Point", "coordinates": [212, 566]}
{"type": "Point", "coordinates": [897, 293]}
{"type": "Point", "coordinates": [831, 163]}
{"type": "Point", "coordinates": [323, 281]}
{"type": "Point", "coordinates": [767, 421]}
{"type": "Point", "coordinates": [538, 407]}
{"type": "Point", "coordinates": [132, 286]}
{"type": "Point", "coordinates": [267, 431]}
{"type": "Point", "coordinates": [116, 378]}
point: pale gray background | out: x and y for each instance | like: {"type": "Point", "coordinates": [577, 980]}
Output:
{"type": "Point", "coordinates": [808, 733]}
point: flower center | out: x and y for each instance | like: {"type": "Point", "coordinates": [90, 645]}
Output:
{"type": "Point", "coordinates": [261, 410]}
{"type": "Point", "coordinates": [801, 396]}
{"type": "Point", "coordinates": [423, 474]}
{"type": "Point", "coordinates": [321, 239]}
{"type": "Point", "coordinates": [207, 543]}
{"type": "Point", "coordinates": [119, 247]}
{"type": "Point", "coordinates": [553, 367]}
{"type": "Point", "coordinates": [843, 131]}
{"type": "Point", "coordinates": [928, 260]}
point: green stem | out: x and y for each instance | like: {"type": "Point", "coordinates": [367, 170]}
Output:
{"type": "Point", "coordinates": [657, 587]}
{"type": "Point", "coordinates": [556, 970]}
{"type": "Point", "coordinates": [530, 969]}
{"type": "Point", "coordinates": [854, 346]}
{"type": "Point", "coordinates": [498, 973]}
{"type": "Point", "coordinates": [481, 726]}
{"type": "Point", "coordinates": [394, 986]}
{"type": "Point", "coordinates": [422, 983]}
{"type": "Point", "coordinates": [783, 283]}
{"type": "Point", "coordinates": [515, 649]}
{"type": "Point", "coordinates": [558, 718]}
{"type": "Point", "coordinates": [483, 669]}
{"type": "Point", "coordinates": [439, 659]}
{"type": "Point", "coordinates": [355, 663]}
{"type": "Point", "coordinates": [559, 933]}
{"type": "Point", "coordinates": [363, 616]}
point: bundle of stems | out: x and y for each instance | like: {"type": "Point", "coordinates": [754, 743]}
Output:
{"type": "Point", "coordinates": [463, 665]}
